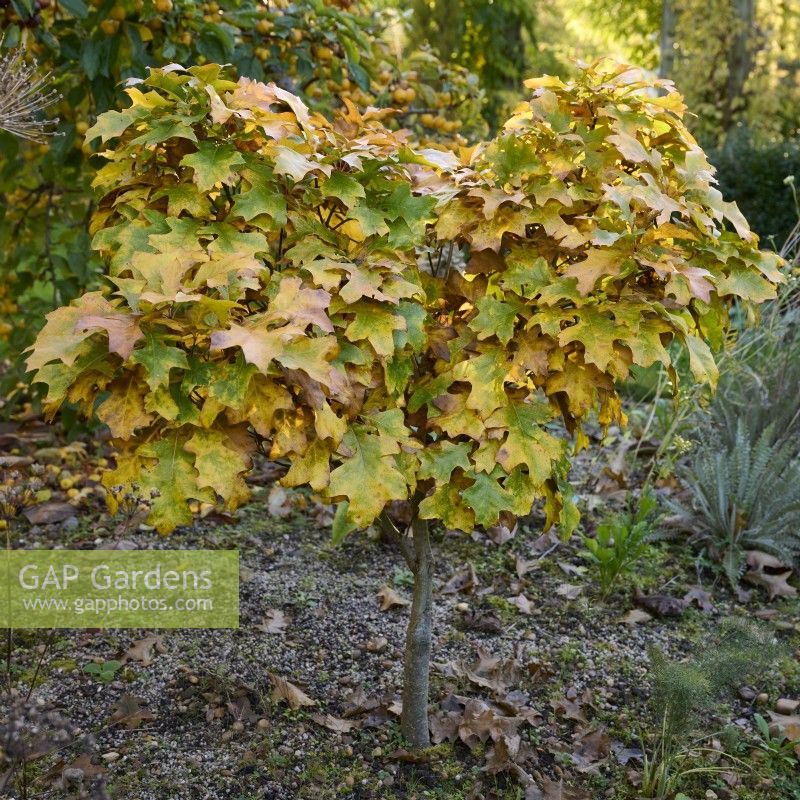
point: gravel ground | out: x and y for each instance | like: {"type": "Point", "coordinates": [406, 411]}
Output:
{"type": "Point", "coordinates": [210, 727]}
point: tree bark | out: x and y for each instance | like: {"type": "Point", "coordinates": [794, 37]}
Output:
{"type": "Point", "coordinates": [667, 39]}
{"type": "Point", "coordinates": [414, 721]}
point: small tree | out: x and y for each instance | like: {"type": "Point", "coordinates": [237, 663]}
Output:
{"type": "Point", "coordinates": [267, 292]}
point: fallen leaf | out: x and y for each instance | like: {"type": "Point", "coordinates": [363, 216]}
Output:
{"type": "Point", "coordinates": [143, 650]}
{"type": "Point", "coordinates": [390, 598]}
{"type": "Point", "coordinates": [787, 725]}
{"type": "Point", "coordinates": [568, 590]}
{"type": "Point", "coordinates": [635, 617]}
{"type": "Point", "coordinates": [275, 621]}
{"type": "Point", "coordinates": [279, 502]}
{"type": "Point", "coordinates": [335, 724]}
{"type": "Point", "coordinates": [500, 534]}
{"type": "Point", "coordinates": [758, 560]}
{"type": "Point", "coordinates": [483, 621]}
{"type": "Point", "coordinates": [464, 581]}
{"type": "Point", "coordinates": [130, 712]}
{"type": "Point", "coordinates": [557, 791]}
{"type": "Point", "coordinates": [522, 603]}
{"type": "Point", "coordinates": [283, 690]}
{"type": "Point", "coordinates": [49, 513]}
{"type": "Point", "coordinates": [524, 566]}
{"type": "Point", "coordinates": [592, 747]}
{"type": "Point", "coordinates": [661, 605]}
{"type": "Point", "coordinates": [701, 598]}
{"type": "Point", "coordinates": [775, 585]}
{"type": "Point", "coordinates": [569, 709]}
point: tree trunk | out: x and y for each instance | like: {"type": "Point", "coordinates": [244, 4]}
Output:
{"type": "Point", "coordinates": [414, 721]}
{"type": "Point", "coordinates": [667, 39]}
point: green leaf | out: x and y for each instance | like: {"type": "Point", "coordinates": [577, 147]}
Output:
{"type": "Point", "coordinates": [495, 318]}
{"type": "Point", "coordinates": [261, 198]}
{"type": "Point", "coordinates": [158, 358]}
{"type": "Point", "coordinates": [367, 479]}
{"type": "Point", "coordinates": [446, 504]}
{"type": "Point", "coordinates": [487, 498]}
{"type": "Point", "coordinates": [526, 441]}
{"type": "Point", "coordinates": [439, 461]}
{"type": "Point", "coordinates": [343, 187]}
{"type": "Point", "coordinates": [213, 163]}
{"type": "Point", "coordinates": [343, 526]}
{"type": "Point", "coordinates": [174, 481]}
{"type": "Point", "coordinates": [377, 325]}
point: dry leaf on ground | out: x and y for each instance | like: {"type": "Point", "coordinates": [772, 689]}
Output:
{"type": "Point", "coordinates": [275, 621]}
{"type": "Point", "coordinates": [390, 598]}
{"type": "Point", "coordinates": [284, 691]}
{"type": "Point", "coordinates": [143, 650]}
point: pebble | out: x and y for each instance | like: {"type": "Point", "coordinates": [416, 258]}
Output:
{"type": "Point", "coordinates": [111, 756]}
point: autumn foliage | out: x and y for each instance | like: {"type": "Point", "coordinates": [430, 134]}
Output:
{"type": "Point", "coordinates": [398, 324]}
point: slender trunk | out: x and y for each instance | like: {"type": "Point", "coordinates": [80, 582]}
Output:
{"type": "Point", "coordinates": [667, 43]}
{"type": "Point", "coordinates": [418, 641]}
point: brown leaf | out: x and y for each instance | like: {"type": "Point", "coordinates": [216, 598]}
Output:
{"type": "Point", "coordinates": [335, 724]}
{"type": "Point", "coordinates": [787, 725]}
{"type": "Point", "coordinates": [390, 598]}
{"type": "Point", "coordinates": [524, 566]}
{"type": "Point", "coordinates": [522, 603]}
{"type": "Point", "coordinates": [464, 581]}
{"type": "Point", "coordinates": [569, 709]}
{"type": "Point", "coordinates": [635, 617]}
{"type": "Point", "coordinates": [483, 621]}
{"type": "Point", "coordinates": [279, 502]}
{"type": "Point", "coordinates": [444, 726]}
{"type": "Point", "coordinates": [568, 590]}
{"type": "Point", "coordinates": [143, 650]}
{"type": "Point", "coordinates": [48, 513]}
{"type": "Point", "coordinates": [701, 598]}
{"type": "Point", "coordinates": [591, 747]}
{"type": "Point", "coordinates": [661, 605]}
{"type": "Point", "coordinates": [775, 585]}
{"type": "Point", "coordinates": [500, 534]}
{"type": "Point", "coordinates": [557, 791]}
{"type": "Point", "coordinates": [758, 560]}
{"type": "Point", "coordinates": [129, 711]}
{"type": "Point", "coordinates": [284, 691]}
{"type": "Point", "coordinates": [275, 621]}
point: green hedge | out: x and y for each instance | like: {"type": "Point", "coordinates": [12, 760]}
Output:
{"type": "Point", "coordinates": [754, 176]}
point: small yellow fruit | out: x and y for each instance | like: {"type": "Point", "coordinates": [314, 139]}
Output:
{"type": "Point", "coordinates": [109, 26]}
{"type": "Point", "coordinates": [66, 483]}
{"type": "Point", "coordinates": [428, 120]}
{"type": "Point", "coordinates": [399, 97]}
{"type": "Point", "coordinates": [3, 524]}
{"type": "Point", "coordinates": [72, 493]}
{"type": "Point", "coordinates": [81, 126]}
{"type": "Point", "coordinates": [296, 35]}
{"type": "Point", "coordinates": [163, 6]}
{"type": "Point", "coordinates": [323, 53]}
{"type": "Point", "coordinates": [117, 12]}
{"type": "Point", "coordinates": [264, 26]}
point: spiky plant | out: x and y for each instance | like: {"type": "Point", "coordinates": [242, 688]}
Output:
{"type": "Point", "coordinates": [684, 690]}
{"type": "Point", "coordinates": [743, 496]}
{"type": "Point", "coordinates": [24, 97]}
{"type": "Point", "coordinates": [760, 385]}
